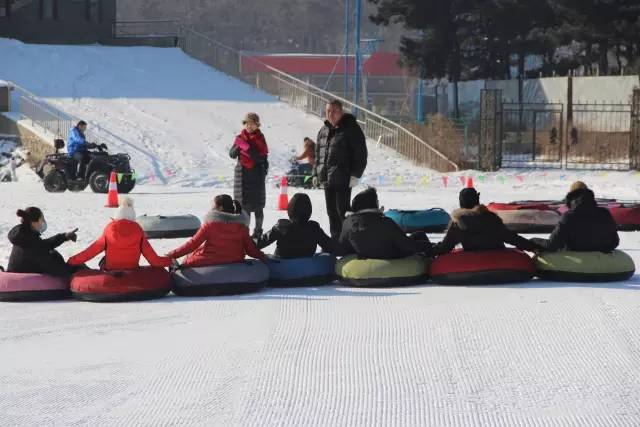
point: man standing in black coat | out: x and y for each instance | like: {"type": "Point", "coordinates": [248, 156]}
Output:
{"type": "Point", "coordinates": [341, 158]}
{"type": "Point", "coordinates": [585, 227]}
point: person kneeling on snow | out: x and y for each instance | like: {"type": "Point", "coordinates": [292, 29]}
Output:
{"type": "Point", "coordinates": [222, 239]}
{"type": "Point", "coordinates": [368, 233]}
{"type": "Point", "coordinates": [477, 228]}
{"type": "Point", "coordinates": [33, 254]}
{"type": "Point", "coordinates": [297, 237]}
{"type": "Point", "coordinates": [123, 241]}
{"type": "Point", "coordinates": [585, 227]}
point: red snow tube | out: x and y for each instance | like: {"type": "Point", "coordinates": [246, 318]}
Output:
{"type": "Point", "coordinates": [126, 285]}
{"type": "Point", "coordinates": [627, 216]}
{"type": "Point", "coordinates": [482, 267]}
{"type": "Point", "coordinates": [541, 206]}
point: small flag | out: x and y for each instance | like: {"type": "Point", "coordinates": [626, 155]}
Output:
{"type": "Point", "coordinates": [445, 181]}
{"type": "Point", "coordinates": [398, 181]}
{"type": "Point", "coordinates": [425, 181]}
{"type": "Point", "coordinates": [381, 180]}
{"type": "Point", "coordinates": [119, 177]}
{"type": "Point", "coordinates": [462, 179]}
{"type": "Point", "coordinates": [520, 178]}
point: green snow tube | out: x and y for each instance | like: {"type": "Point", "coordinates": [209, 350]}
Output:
{"type": "Point", "coordinates": [569, 266]}
{"type": "Point", "coordinates": [382, 272]}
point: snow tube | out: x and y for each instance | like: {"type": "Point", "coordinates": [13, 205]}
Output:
{"type": "Point", "coordinates": [32, 287]}
{"type": "Point", "coordinates": [123, 285]}
{"type": "Point", "coordinates": [569, 266]}
{"type": "Point", "coordinates": [433, 220]}
{"type": "Point", "coordinates": [526, 218]}
{"type": "Point", "coordinates": [169, 226]}
{"type": "Point", "coordinates": [227, 279]}
{"type": "Point", "coordinates": [482, 267]}
{"type": "Point", "coordinates": [353, 271]}
{"type": "Point", "coordinates": [295, 272]}
{"type": "Point", "coordinates": [627, 216]}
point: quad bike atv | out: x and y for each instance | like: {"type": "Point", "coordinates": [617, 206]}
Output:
{"type": "Point", "coordinates": [53, 171]}
{"type": "Point", "coordinates": [299, 175]}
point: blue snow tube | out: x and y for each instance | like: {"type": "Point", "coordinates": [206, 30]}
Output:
{"type": "Point", "coordinates": [433, 220]}
{"type": "Point", "coordinates": [225, 279]}
{"type": "Point", "coordinates": [296, 272]}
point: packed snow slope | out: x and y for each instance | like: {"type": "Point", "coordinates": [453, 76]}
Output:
{"type": "Point", "coordinates": [531, 354]}
{"type": "Point", "coordinates": [175, 116]}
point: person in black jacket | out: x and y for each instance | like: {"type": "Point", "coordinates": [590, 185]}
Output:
{"type": "Point", "coordinates": [297, 237]}
{"type": "Point", "coordinates": [477, 228]}
{"type": "Point", "coordinates": [585, 227]}
{"type": "Point", "coordinates": [341, 158]}
{"type": "Point", "coordinates": [33, 254]}
{"type": "Point", "coordinates": [368, 233]}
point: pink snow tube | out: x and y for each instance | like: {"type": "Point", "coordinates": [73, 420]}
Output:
{"type": "Point", "coordinates": [627, 216]}
{"type": "Point", "coordinates": [32, 287]}
{"type": "Point", "coordinates": [532, 217]}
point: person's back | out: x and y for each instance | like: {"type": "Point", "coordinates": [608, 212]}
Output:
{"type": "Point", "coordinates": [222, 239]}
{"type": "Point", "coordinates": [297, 237]}
{"type": "Point", "coordinates": [476, 228]}
{"type": "Point", "coordinates": [585, 227]}
{"type": "Point", "coordinates": [368, 233]}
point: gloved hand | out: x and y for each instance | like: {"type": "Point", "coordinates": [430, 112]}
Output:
{"type": "Point", "coordinates": [315, 182]}
{"type": "Point", "coordinates": [103, 146]}
{"type": "Point", "coordinates": [91, 145]}
{"type": "Point", "coordinates": [353, 181]}
{"type": "Point", "coordinates": [71, 235]}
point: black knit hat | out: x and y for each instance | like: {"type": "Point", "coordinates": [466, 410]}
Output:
{"type": "Point", "coordinates": [469, 198]}
{"type": "Point", "coordinates": [300, 208]}
{"type": "Point", "coordinates": [367, 199]}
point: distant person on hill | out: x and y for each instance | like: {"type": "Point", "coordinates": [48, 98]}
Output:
{"type": "Point", "coordinates": [341, 158]}
{"type": "Point", "coordinates": [477, 228]}
{"type": "Point", "coordinates": [585, 227]}
{"type": "Point", "coordinates": [309, 153]}
{"type": "Point", "coordinates": [223, 238]}
{"type": "Point", "coordinates": [123, 241]}
{"type": "Point", "coordinates": [250, 148]}
{"type": "Point", "coordinates": [297, 237]}
{"type": "Point", "coordinates": [33, 254]}
{"type": "Point", "coordinates": [368, 233]}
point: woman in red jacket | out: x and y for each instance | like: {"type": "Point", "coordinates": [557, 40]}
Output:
{"type": "Point", "coordinates": [222, 239]}
{"type": "Point", "coordinates": [124, 241]}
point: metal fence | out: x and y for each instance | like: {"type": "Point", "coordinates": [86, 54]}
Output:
{"type": "Point", "coordinates": [145, 29]}
{"type": "Point", "coordinates": [312, 99]}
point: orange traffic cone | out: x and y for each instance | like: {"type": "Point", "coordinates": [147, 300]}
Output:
{"type": "Point", "coordinates": [470, 182]}
{"type": "Point", "coordinates": [112, 197]}
{"type": "Point", "coordinates": [283, 201]}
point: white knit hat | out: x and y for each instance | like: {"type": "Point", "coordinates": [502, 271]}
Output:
{"type": "Point", "coordinates": [125, 209]}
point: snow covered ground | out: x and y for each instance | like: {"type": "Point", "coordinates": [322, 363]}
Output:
{"type": "Point", "coordinates": [534, 354]}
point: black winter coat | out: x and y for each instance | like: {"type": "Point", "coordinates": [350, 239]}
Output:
{"type": "Point", "coordinates": [370, 234]}
{"type": "Point", "coordinates": [585, 227]}
{"type": "Point", "coordinates": [341, 152]}
{"type": "Point", "coordinates": [249, 186]}
{"type": "Point", "coordinates": [480, 229]}
{"type": "Point", "coordinates": [297, 240]}
{"type": "Point", "coordinates": [33, 254]}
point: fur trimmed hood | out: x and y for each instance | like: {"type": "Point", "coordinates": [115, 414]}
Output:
{"type": "Point", "coordinates": [477, 217]}
{"type": "Point", "coordinates": [226, 218]}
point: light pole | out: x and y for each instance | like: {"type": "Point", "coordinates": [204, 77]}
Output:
{"type": "Point", "coordinates": [358, 53]}
{"type": "Point", "coordinates": [347, 17]}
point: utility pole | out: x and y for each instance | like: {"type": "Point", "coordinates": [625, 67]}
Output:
{"type": "Point", "coordinates": [347, 16]}
{"type": "Point", "coordinates": [358, 67]}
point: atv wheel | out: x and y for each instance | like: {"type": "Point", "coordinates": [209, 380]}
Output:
{"type": "Point", "coordinates": [55, 182]}
{"type": "Point", "coordinates": [99, 182]}
{"type": "Point", "coordinates": [126, 185]}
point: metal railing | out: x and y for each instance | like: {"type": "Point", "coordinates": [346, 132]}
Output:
{"type": "Point", "coordinates": [312, 99]}
{"type": "Point", "coordinates": [52, 119]}
{"type": "Point", "coordinates": [145, 29]}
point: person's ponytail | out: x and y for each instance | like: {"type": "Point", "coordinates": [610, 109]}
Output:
{"type": "Point", "coordinates": [29, 215]}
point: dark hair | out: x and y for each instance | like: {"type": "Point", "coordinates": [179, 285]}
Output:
{"type": "Point", "coordinates": [81, 123]}
{"type": "Point", "coordinates": [225, 203]}
{"type": "Point", "coordinates": [29, 215]}
{"type": "Point", "coordinates": [335, 103]}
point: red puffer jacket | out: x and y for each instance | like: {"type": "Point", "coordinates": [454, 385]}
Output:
{"type": "Point", "coordinates": [123, 241]}
{"type": "Point", "coordinates": [222, 239]}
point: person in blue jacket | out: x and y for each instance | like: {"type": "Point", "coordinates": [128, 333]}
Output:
{"type": "Point", "coordinates": [77, 146]}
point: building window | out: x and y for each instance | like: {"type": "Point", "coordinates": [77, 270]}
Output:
{"type": "Point", "coordinates": [48, 9]}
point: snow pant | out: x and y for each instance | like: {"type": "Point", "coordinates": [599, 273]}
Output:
{"type": "Point", "coordinates": [338, 201]}
{"type": "Point", "coordinates": [77, 166]}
